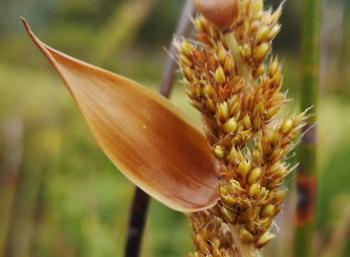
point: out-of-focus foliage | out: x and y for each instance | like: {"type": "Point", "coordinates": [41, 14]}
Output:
{"type": "Point", "coordinates": [59, 195]}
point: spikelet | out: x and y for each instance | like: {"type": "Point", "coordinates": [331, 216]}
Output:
{"type": "Point", "coordinates": [232, 79]}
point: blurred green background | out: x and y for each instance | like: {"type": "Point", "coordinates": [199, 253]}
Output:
{"type": "Point", "coordinates": [60, 196]}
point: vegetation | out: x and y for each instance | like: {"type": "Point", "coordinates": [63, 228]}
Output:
{"type": "Point", "coordinates": [76, 204]}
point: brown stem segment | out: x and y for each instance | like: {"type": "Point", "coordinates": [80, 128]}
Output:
{"type": "Point", "coordinates": [141, 200]}
{"type": "Point", "coordinates": [183, 29]}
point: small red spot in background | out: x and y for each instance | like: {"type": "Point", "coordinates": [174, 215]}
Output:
{"type": "Point", "coordinates": [306, 186]}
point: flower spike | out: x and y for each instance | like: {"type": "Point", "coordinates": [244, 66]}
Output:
{"type": "Point", "coordinates": [231, 77]}
{"type": "Point", "coordinates": [142, 133]}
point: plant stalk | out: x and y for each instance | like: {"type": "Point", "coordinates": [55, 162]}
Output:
{"type": "Point", "coordinates": [244, 250]}
{"type": "Point", "coordinates": [141, 200]}
{"type": "Point", "coordinates": [183, 29]}
{"type": "Point", "coordinates": [307, 172]}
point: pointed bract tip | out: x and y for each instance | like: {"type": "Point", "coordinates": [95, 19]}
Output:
{"type": "Point", "coordinates": [25, 24]}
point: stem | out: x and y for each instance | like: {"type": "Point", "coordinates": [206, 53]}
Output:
{"type": "Point", "coordinates": [244, 250]}
{"type": "Point", "coordinates": [122, 27]}
{"type": "Point", "coordinates": [240, 64]}
{"type": "Point", "coordinates": [307, 172]}
{"type": "Point", "coordinates": [137, 223]}
{"type": "Point", "coordinates": [141, 200]}
{"type": "Point", "coordinates": [10, 174]}
{"type": "Point", "coordinates": [183, 29]}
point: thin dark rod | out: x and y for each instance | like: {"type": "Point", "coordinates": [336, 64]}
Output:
{"type": "Point", "coordinates": [141, 200]}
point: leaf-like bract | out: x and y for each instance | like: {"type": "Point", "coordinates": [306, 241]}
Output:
{"type": "Point", "coordinates": [142, 133]}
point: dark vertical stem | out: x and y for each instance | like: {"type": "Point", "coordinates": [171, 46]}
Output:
{"type": "Point", "coordinates": [137, 223]}
{"type": "Point", "coordinates": [307, 173]}
{"type": "Point", "coordinates": [141, 200]}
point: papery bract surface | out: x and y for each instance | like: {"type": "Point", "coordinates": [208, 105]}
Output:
{"type": "Point", "coordinates": [142, 133]}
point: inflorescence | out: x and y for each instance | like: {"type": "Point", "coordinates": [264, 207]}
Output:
{"type": "Point", "coordinates": [232, 79]}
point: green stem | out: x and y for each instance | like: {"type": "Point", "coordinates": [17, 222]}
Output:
{"type": "Point", "coordinates": [241, 66]}
{"type": "Point", "coordinates": [307, 172]}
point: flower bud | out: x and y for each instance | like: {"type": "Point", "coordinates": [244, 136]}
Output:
{"type": "Point", "coordinates": [228, 200]}
{"type": "Point", "coordinates": [268, 210]}
{"type": "Point", "coordinates": [221, 55]}
{"type": "Point", "coordinates": [256, 7]}
{"type": "Point", "coordinates": [220, 12]}
{"type": "Point", "coordinates": [236, 186]}
{"type": "Point", "coordinates": [219, 152]}
{"type": "Point", "coordinates": [287, 126]}
{"type": "Point", "coordinates": [211, 105]}
{"type": "Point", "coordinates": [264, 240]}
{"type": "Point", "coordinates": [230, 126]}
{"type": "Point", "coordinates": [246, 236]}
{"type": "Point", "coordinates": [208, 90]}
{"type": "Point", "coordinates": [262, 34]}
{"type": "Point", "coordinates": [274, 31]}
{"type": "Point", "coordinates": [227, 215]}
{"type": "Point", "coordinates": [272, 111]}
{"type": "Point", "coordinates": [263, 194]}
{"type": "Point", "coordinates": [187, 48]}
{"type": "Point", "coordinates": [279, 196]}
{"type": "Point", "coordinates": [274, 66]}
{"type": "Point", "coordinates": [254, 191]}
{"type": "Point", "coordinates": [262, 51]}
{"type": "Point", "coordinates": [254, 176]}
{"type": "Point", "coordinates": [265, 223]}
{"type": "Point", "coordinates": [229, 65]}
{"type": "Point", "coordinates": [222, 111]}
{"type": "Point", "coordinates": [243, 169]}
{"type": "Point", "coordinates": [220, 75]}
{"type": "Point", "coordinates": [247, 122]}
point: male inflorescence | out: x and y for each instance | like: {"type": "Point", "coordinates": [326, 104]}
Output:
{"type": "Point", "coordinates": [233, 80]}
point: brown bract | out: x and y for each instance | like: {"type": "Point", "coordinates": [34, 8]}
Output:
{"type": "Point", "coordinates": [220, 12]}
{"type": "Point", "coordinates": [141, 133]}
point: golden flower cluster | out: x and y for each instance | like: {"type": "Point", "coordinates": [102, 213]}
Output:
{"type": "Point", "coordinates": [212, 236]}
{"type": "Point", "coordinates": [233, 81]}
